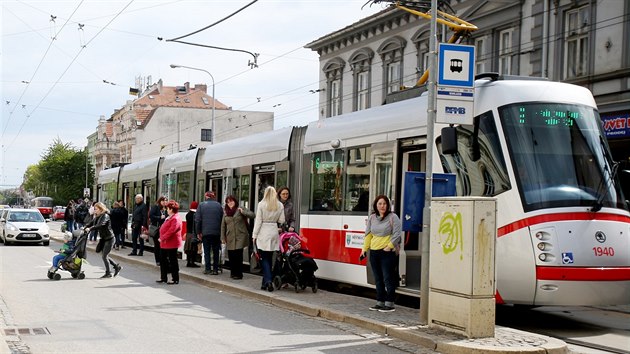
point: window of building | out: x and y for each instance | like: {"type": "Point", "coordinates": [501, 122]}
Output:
{"type": "Point", "coordinates": [480, 55]}
{"type": "Point", "coordinates": [206, 134]}
{"type": "Point", "coordinates": [505, 52]}
{"type": "Point", "coordinates": [333, 72]}
{"type": "Point", "coordinates": [576, 27]}
{"type": "Point", "coordinates": [391, 52]}
{"type": "Point", "coordinates": [361, 66]}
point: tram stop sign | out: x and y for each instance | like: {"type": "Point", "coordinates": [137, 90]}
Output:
{"type": "Point", "coordinates": [456, 80]}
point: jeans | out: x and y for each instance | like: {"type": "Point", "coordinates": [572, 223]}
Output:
{"type": "Point", "coordinates": [70, 225]}
{"type": "Point", "coordinates": [118, 233]}
{"type": "Point", "coordinates": [266, 259]}
{"type": "Point", "coordinates": [107, 247]}
{"type": "Point", "coordinates": [385, 277]}
{"type": "Point", "coordinates": [156, 248]}
{"type": "Point", "coordinates": [211, 243]}
{"type": "Point", "coordinates": [135, 238]}
{"type": "Point", "coordinates": [58, 258]}
{"type": "Point", "coordinates": [93, 235]}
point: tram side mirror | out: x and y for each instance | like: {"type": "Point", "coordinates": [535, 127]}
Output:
{"type": "Point", "coordinates": [449, 141]}
{"type": "Point", "coordinates": [475, 153]}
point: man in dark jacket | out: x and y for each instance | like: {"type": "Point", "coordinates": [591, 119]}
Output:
{"type": "Point", "coordinates": [81, 213]}
{"type": "Point", "coordinates": [138, 221]}
{"type": "Point", "coordinates": [208, 225]}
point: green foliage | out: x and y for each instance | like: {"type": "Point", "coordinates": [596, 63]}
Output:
{"type": "Point", "coordinates": [60, 174]}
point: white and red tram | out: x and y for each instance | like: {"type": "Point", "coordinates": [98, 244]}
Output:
{"type": "Point", "coordinates": [536, 146]}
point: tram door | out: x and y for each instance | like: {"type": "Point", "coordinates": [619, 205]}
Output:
{"type": "Point", "coordinates": [148, 190]}
{"type": "Point", "coordinates": [414, 160]}
{"type": "Point", "coordinates": [275, 175]}
{"type": "Point", "coordinates": [383, 181]}
{"type": "Point", "coordinates": [214, 182]}
{"type": "Point", "coordinates": [124, 195]}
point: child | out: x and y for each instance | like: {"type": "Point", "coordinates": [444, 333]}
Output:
{"type": "Point", "coordinates": [66, 249]}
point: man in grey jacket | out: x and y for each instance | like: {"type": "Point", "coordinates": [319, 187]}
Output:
{"type": "Point", "coordinates": [208, 225]}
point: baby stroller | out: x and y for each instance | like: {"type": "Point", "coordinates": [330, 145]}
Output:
{"type": "Point", "coordinates": [292, 266]}
{"type": "Point", "coordinates": [72, 263]}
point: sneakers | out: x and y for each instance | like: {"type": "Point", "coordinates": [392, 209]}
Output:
{"type": "Point", "coordinates": [117, 269]}
{"type": "Point", "coordinates": [106, 275]}
{"type": "Point", "coordinates": [386, 309]}
{"type": "Point", "coordinates": [132, 254]}
{"type": "Point", "coordinates": [377, 307]}
{"type": "Point", "coordinates": [207, 271]}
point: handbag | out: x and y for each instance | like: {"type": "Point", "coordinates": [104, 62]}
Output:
{"type": "Point", "coordinates": [153, 230]}
{"type": "Point", "coordinates": [254, 260]}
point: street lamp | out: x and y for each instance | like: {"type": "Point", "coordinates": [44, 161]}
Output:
{"type": "Point", "coordinates": [213, 97]}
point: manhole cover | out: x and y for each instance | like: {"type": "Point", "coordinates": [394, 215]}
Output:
{"type": "Point", "coordinates": [23, 331]}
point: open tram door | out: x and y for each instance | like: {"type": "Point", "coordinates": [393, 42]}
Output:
{"type": "Point", "coordinates": [383, 179]}
{"type": "Point", "coordinates": [273, 174]}
{"type": "Point", "coordinates": [214, 183]}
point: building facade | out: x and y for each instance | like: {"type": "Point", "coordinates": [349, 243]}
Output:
{"type": "Point", "coordinates": [169, 119]}
{"type": "Point", "coordinates": [583, 42]}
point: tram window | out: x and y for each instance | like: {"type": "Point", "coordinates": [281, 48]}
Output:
{"type": "Point", "coordinates": [357, 192]}
{"type": "Point", "coordinates": [486, 176]}
{"type": "Point", "coordinates": [282, 179]}
{"type": "Point", "coordinates": [244, 192]}
{"type": "Point", "coordinates": [178, 186]}
{"type": "Point", "coordinates": [326, 180]}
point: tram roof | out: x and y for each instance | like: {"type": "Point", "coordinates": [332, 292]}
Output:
{"type": "Point", "coordinates": [180, 162]}
{"type": "Point", "coordinates": [374, 125]}
{"type": "Point", "coordinates": [271, 146]}
{"type": "Point", "coordinates": [140, 170]}
{"type": "Point", "coordinates": [109, 175]}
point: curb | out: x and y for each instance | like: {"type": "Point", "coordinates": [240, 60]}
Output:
{"type": "Point", "coordinates": [4, 347]}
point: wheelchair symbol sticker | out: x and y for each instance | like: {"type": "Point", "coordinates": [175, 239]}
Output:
{"type": "Point", "coordinates": [567, 258]}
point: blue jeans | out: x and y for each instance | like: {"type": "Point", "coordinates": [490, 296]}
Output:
{"type": "Point", "coordinates": [211, 246]}
{"type": "Point", "coordinates": [266, 260]}
{"type": "Point", "coordinates": [58, 258]}
{"type": "Point", "coordinates": [385, 277]}
{"type": "Point", "coordinates": [70, 225]}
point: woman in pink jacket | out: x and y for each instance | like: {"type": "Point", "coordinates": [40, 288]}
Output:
{"type": "Point", "coordinates": [170, 240]}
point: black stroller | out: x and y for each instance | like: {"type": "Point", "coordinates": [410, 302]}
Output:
{"type": "Point", "coordinates": [74, 261]}
{"type": "Point", "coordinates": [292, 266]}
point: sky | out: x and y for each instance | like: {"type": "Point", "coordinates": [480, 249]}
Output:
{"type": "Point", "coordinates": [58, 89]}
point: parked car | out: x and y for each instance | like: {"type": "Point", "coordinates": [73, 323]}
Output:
{"type": "Point", "coordinates": [23, 226]}
{"type": "Point", "coordinates": [59, 213]}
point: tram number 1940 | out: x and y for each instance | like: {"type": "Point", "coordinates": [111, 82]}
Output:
{"type": "Point", "coordinates": [604, 251]}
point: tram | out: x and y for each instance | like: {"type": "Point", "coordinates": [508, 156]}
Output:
{"type": "Point", "coordinates": [536, 146]}
{"type": "Point", "coordinates": [44, 205]}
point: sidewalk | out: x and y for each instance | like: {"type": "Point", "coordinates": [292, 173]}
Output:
{"type": "Point", "coordinates": [402, 324]}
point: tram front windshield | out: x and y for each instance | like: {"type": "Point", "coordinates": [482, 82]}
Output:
{"type": "Point", "coordinates": [560, 156]}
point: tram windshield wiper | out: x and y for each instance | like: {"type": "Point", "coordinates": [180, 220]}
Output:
{"type": "Point", "coordinates": [607, 177]}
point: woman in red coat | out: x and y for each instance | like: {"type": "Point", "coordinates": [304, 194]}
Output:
{"type": "Point", "coordinates": [170, 240]}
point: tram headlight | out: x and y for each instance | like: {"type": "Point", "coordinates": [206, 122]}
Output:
{"type": "Point", "coordinates": [544, 246]}
{"type": "Point", "coordinates": [542, 257]}
{"type": "Point", "coordinates": [540, 235]}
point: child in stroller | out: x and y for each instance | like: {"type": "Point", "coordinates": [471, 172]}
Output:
{"type": "Point", "coordinates": [292, 266]}
{"type": "Point", "coordinates": [71, 256]}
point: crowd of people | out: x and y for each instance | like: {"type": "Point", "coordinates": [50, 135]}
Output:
{"type": "Point", "coordinates": [227, 227]}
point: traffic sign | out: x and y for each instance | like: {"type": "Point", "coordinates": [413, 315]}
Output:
{"type": "Point", "coordinates": [456, 65]}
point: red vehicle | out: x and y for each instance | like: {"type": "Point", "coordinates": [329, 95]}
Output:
{"type": "Point", "coordinates": [44, 205]}
{"type": "Point", "coordinates": [59, 213]}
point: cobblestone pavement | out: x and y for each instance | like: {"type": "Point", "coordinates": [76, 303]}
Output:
{"type": "Point", "coordinates": [13, 342]}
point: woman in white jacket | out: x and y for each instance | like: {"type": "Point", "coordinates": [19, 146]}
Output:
{"type": "Point", "coordinates": [269, 214]}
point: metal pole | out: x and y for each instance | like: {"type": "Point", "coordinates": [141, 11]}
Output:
{"type": "Point", "coordinates": [428, 190]}
{"type": "Point", "coordinates": [213, 99]}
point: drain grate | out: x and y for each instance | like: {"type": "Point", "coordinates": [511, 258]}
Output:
{"type": "Point", "coordinates": [24, 331]}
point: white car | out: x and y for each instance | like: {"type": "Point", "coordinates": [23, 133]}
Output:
{"type": "Point", "coordinates": [23, 226]}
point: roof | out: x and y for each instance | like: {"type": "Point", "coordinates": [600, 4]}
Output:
{"type": "Point", "coordinates": [171, 96]}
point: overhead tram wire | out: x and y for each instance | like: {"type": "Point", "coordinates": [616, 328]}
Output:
{"type": "Point", "coordinates": [252, 65]}
{"type": "Point", "coordinates": [64, 72]}
{"type": "Point", "coordinates": [52, 40]}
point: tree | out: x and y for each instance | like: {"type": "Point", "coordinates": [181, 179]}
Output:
{"type": "Point", "coordinates": [60, 174]}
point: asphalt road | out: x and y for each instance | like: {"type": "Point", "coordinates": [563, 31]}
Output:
{"type": "Point", "coordinates": [132, 313]}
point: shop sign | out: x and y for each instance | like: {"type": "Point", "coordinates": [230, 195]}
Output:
{"type": "Point", "coordinates": [616, 125]}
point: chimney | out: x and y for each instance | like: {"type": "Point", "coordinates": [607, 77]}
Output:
{"type": "Point", "coordinates": [187, 86]}
{"type": "Point", "coordinates": [159, 86]}
{"type": "Point", "coordinates": [201, 87]}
